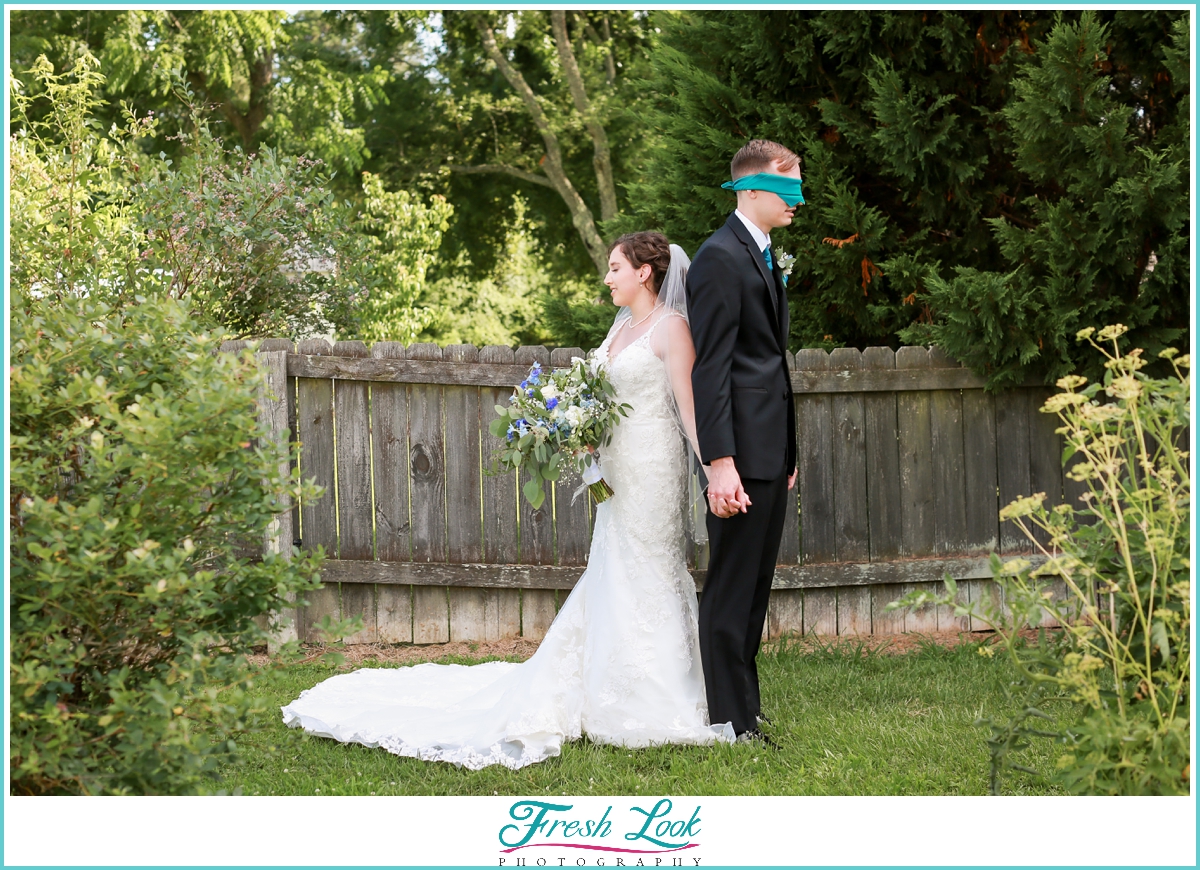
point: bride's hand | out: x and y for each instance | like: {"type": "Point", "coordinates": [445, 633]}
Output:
{"type": "Point", "coordinates": [726, 496]}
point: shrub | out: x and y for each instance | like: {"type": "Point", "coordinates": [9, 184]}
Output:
{"type": "Point", "coordinates": [138, 468]}
{"type": "Point", "coordinates": [1123, 656]}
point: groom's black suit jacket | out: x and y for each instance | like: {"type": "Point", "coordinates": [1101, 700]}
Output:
{"type": "Point", "coordinates": [738, 314]}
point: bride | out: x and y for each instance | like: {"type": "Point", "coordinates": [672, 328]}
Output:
{"type": "Point", "coordinates": [621, 661]}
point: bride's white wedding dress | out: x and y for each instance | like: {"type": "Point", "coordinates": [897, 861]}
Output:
{"type": "Point", "coordinates": [621, 661]}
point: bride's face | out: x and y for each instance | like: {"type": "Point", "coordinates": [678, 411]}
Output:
{"type": "Point", "coordinates": [624, 280]}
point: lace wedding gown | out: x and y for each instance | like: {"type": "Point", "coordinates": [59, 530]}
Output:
{"type": "Point", "coordinates": [621, 661]}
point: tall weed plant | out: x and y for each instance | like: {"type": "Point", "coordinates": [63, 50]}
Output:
{"type": "Point", "coordinates": [1124, 651]}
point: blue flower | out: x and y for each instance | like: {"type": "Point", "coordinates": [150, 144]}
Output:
{"type": "Point", "coordinates": [529, 394]}
{"type": "Point", "coordinates": [524, 384]}
{"type": "Point", "coordinates": [511, 434]}
{"type": "Point", "coordinates": [551, 404]}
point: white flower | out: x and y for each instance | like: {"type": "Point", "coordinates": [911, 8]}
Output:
{"type": "Point", "coordinates": [575, 416]}
{"type": "Point", "coordinates": [786, 262]}
{"type": "Point", "coordinates": [550, 391]}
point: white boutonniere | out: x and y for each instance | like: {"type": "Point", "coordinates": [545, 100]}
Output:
{"type": "Point", "coordinates": [786, 262]}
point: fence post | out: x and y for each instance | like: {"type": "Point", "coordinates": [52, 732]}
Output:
{"type": "Point", "coordinates": [278, 537]}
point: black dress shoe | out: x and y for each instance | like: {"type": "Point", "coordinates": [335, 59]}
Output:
{"type": "Point", "coordinates": [758, 738]}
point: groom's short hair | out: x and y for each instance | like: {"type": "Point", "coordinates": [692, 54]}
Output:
{"type": "Point", "coordinates": [757, 155]}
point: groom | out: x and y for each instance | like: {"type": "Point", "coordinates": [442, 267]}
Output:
{"type": "Point", "coordinates": [745, 423]}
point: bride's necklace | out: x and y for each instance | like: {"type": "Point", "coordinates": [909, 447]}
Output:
{"type": "Point", "coordinates": [633, 325]}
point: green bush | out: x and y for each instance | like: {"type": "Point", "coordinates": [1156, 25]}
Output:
{"type": "Point", "coordinates": [139, 470]}
{"type": "Point", "coordinates": [1124, 653]}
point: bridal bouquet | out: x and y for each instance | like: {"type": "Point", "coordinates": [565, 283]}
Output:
{"type": "Point", "coordinates": [555, 418]}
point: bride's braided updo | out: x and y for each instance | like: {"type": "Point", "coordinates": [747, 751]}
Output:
{"type": "Point", "coordinates": [646, 249]}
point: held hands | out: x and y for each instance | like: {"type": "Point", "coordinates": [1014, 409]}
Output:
{"type": "Point", "coordinates": [726, 496]}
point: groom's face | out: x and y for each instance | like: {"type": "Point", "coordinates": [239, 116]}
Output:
{"type": "Point", "coordinates": [770, 211]}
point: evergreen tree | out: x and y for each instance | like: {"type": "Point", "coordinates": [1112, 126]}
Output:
{"type": "Point", "coordinates": [918, 163]}
{"type": "Point", "coordinates": [1106, 234]}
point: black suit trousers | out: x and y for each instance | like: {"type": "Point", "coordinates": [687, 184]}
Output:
{"type": "Point", "coordinates": [733, 604]}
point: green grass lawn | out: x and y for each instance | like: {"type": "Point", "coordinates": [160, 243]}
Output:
{"type": "Point", "coordinates": [847, 721]}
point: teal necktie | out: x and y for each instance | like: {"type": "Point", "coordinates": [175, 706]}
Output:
{"type": "Point", "coordinates": [770, 262]}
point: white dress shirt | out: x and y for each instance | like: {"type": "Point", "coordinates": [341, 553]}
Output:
{"type": "Point", "coordinates": [760, 238]}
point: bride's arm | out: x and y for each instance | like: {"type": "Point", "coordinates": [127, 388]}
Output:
{"type": "Point", "coordinates": [672, 344]}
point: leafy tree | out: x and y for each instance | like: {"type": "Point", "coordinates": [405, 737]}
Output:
{"type": "Point", "coordinates": [540, 104]}
{"type": "Point", "coordinates": [254, 242]}
{"type": "Point", "coordinates": [265, 77]}
{"type": "Point", "coordinates": [506, 306]}
{"type": "Point", "coordinates": [917, 163]}
{"type": "Point", "coordinates": [404, 235]}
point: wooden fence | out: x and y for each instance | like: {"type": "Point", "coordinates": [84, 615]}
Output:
{"type": "Point", "coordinates": [904, 463]}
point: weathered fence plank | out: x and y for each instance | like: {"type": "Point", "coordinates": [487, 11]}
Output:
{"type": "Point", "coordinates": [949, 464]}
{"type": "Point", "coordinates": [814, 426]}
{"type": "Point", "coordinates": [820, 611]}
{"type": "Point", "coordinates": [883, 461]}
{"type": "Point", "coordinates": [389, 445]}
{"type": "Point", "coordinates": [538, 609]}
{"type": "Point", "coordinates": [464, 510]}
{"type": "Point", "coordinates": [463, 493]}
{"type": "Point", "coordinates": [394, 613]}
{"type": "Point", "coordinates": [318, 518]}
{"type": "Point", "coordinates": [1012, 463]}
{"type": "Point", "coordinates": [853, 610]}
{"type": "Point", "coordinates": [851, 532]}
{"type": "Point", "coordinates": [272, 345]}
{"type": "Point", "coordinates": [353, 456]}
{"type": "Point", "coordinates": [500, 503]}
{"type": "Point", "coordinates": [915, 436]}
{"type": "Point", "coordinates": [982, 510]}
{"type": "Point", "coordinates": [916, 460]}
{"type": "Point", "coordinates": [427, 475]}
{"type": "Point", "coordinates": [785, 614]}
{"type": "Point", "coordinates": [949, 475]}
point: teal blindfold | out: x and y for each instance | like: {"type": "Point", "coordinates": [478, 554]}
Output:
{"type": "Point", "coordinates": [786, 187]}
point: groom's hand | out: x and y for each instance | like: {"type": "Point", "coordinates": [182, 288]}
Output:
{"type": "Point", "coordinates": [726, 496]}
{"type": "Point", "coordinates": [792, 478]}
